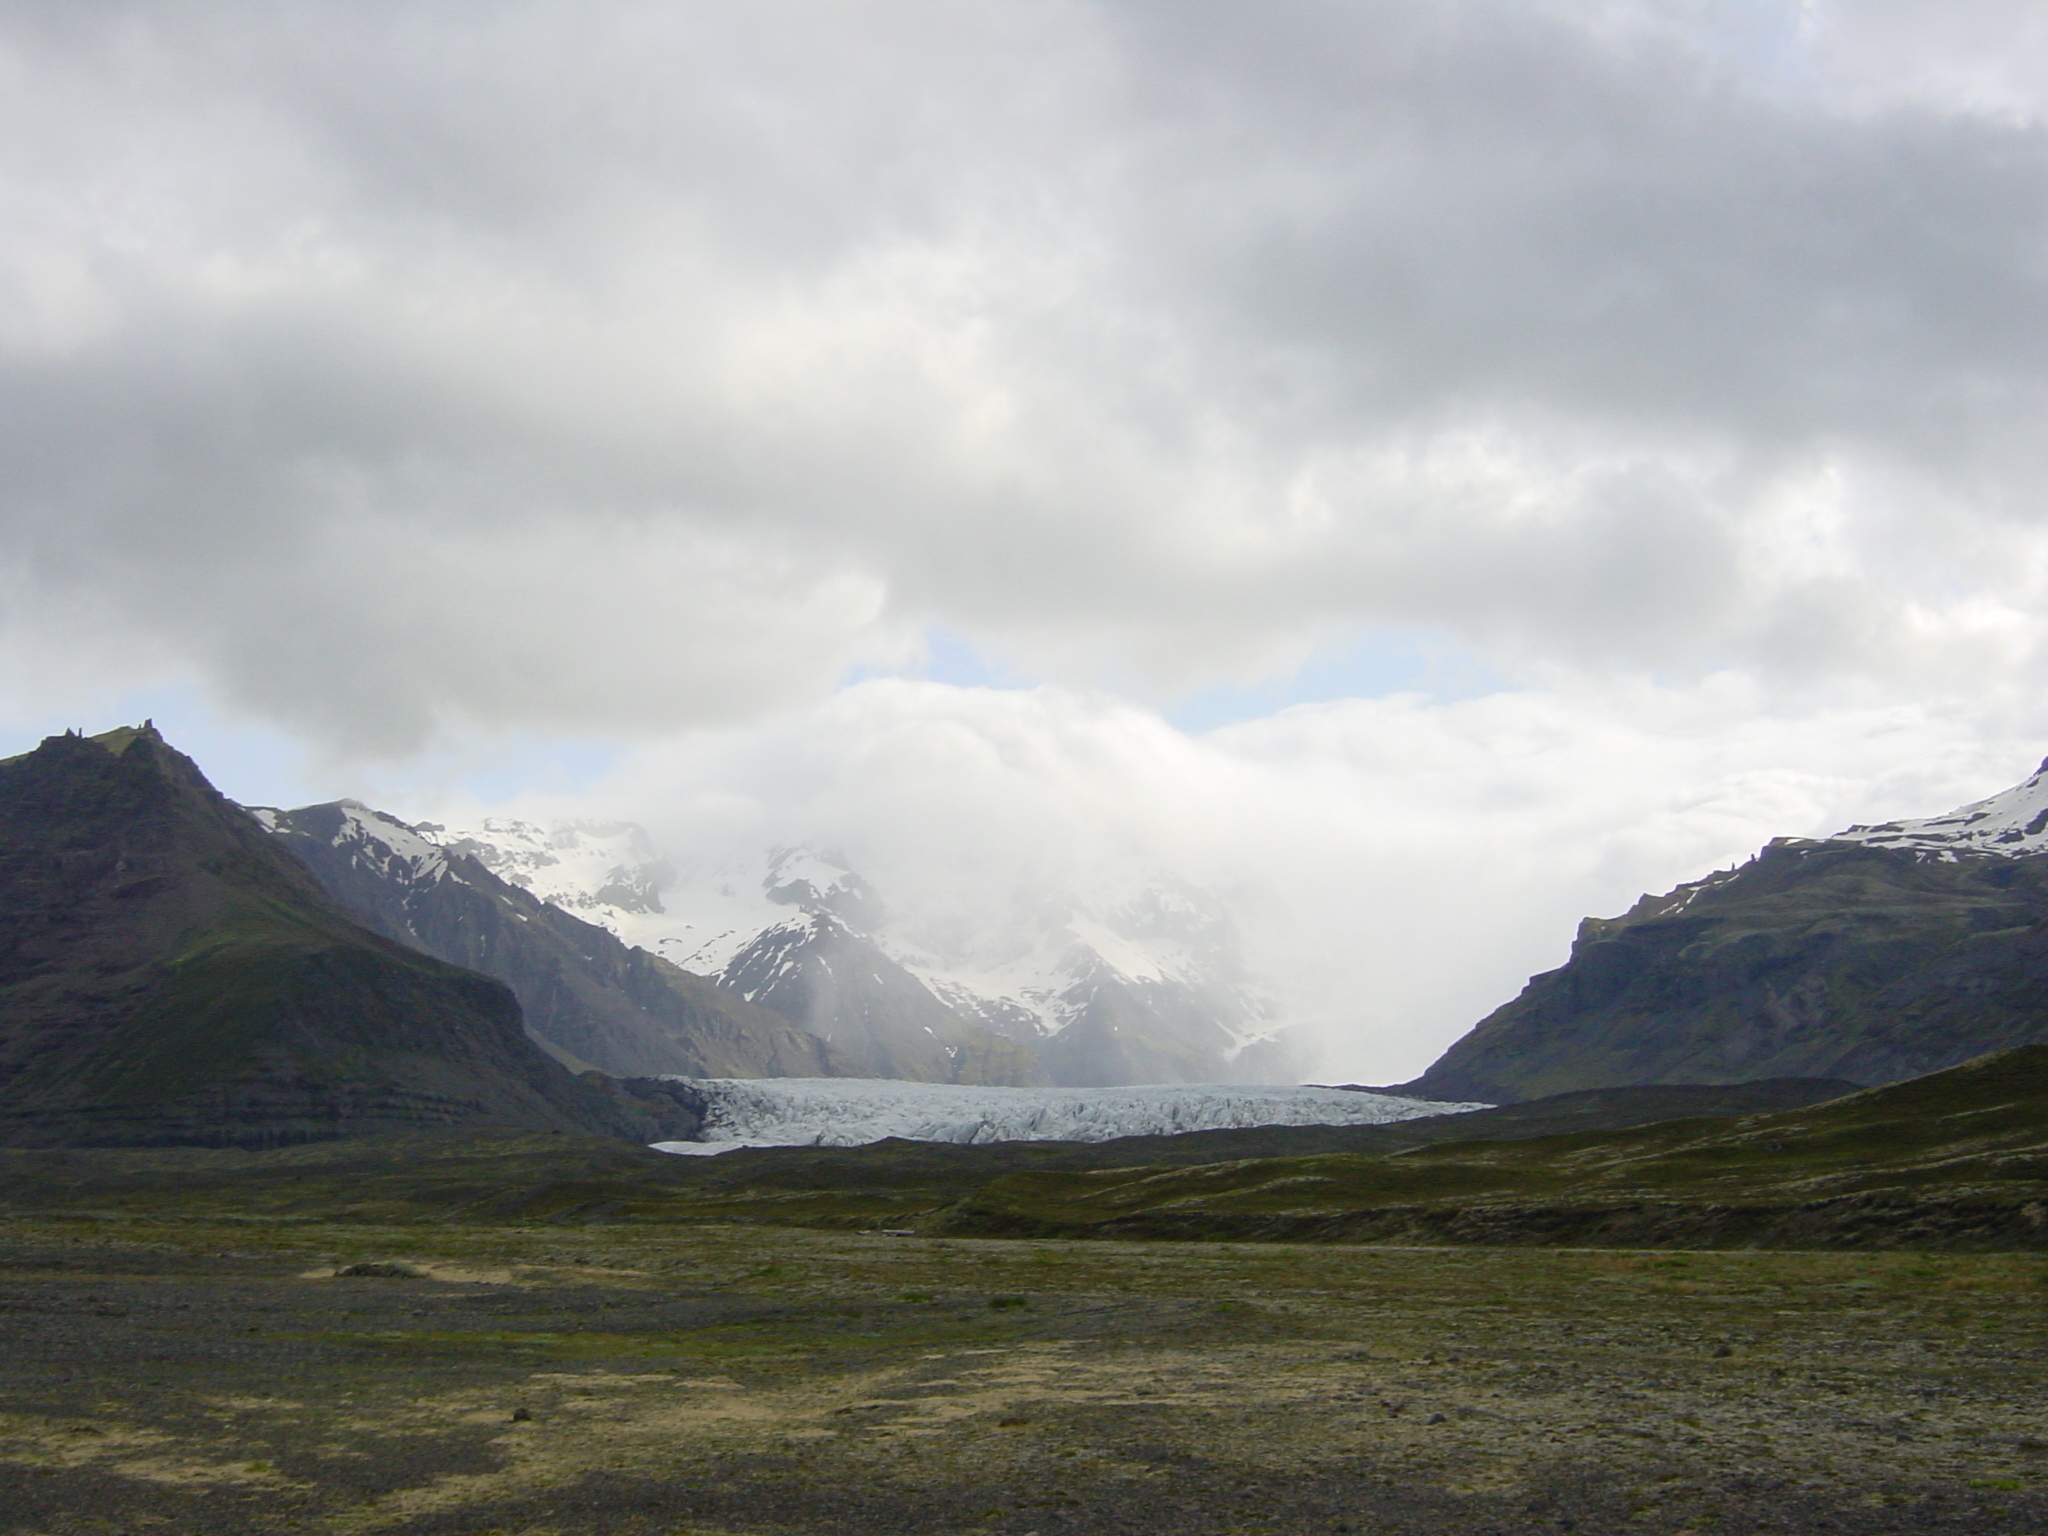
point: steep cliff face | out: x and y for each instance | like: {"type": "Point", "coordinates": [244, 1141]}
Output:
{"type": "Point", "coordinates": [170, 975]}
{"type": "Point", "coordinates": [587, 997]}
{"type": "Point", "coordinates": [1839, 958]}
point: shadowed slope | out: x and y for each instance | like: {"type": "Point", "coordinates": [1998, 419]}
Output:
{"type": "Point", "coordinates": [1824, 959]}
{"type": "Point", "coordinates": [585, 995]}
{"type": "Point", "coordinates": [170, 975]}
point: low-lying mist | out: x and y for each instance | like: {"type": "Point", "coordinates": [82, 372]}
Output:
{"type": "Point", "coordinates": [1379, 873]}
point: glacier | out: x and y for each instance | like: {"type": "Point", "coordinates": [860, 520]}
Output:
{"type": "Point", "coordinates": [852, 1111]}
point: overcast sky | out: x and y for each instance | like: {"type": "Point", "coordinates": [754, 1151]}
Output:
{"type": "Point", "coordinates": [1448, 467]}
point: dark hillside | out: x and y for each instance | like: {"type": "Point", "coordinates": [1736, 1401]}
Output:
{"type": "Point", "coordinates": [1815, 959]}
{"type": "Point", "coordinates": [585, 995]}
{"type": "Point", "coordinates": [169, 975]}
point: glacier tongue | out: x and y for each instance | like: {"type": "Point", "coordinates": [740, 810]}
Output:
{"type": "Point", "coordinates": [849, 1112]}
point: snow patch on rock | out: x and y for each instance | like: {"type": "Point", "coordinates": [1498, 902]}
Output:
{"type": "Point", "coordinates": [2013, 822]}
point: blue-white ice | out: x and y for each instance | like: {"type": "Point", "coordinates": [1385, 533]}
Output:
{"type": "Point", "coordinates": [851, 1111]}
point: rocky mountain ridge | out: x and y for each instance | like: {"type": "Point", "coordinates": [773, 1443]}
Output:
{"type": "Point", "coordinates": [2012, 824]}
{"type": "Point", "coordinates": [1881, 953]}
{"type": "Point", "coordinates": [588, 998]}
{"type": "Point", "coordinates": [1151, 990]}
{"type": "Point", "coordinates": [170, 975]}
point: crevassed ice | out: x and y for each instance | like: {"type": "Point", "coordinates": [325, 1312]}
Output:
{"type": "Point", "coordinates": [847, 1112]}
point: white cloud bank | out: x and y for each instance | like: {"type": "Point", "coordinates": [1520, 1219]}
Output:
{"type": "Point", "coordinates": [401, 371]}
{"type": "Point", "coordinates": [402, 377]}
{"type": "Point", "coordinates": [1400, 867]}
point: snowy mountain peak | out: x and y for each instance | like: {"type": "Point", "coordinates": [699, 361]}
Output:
{"type": "Point", "coordinates": [1149, 986]}
{"type": "Point", "coordinates": [2011, 823]}
{"type": "Point", "coordinates": [377, 842]}
{"type": "Point", "coordinates": [816, 882]}
{"type": "Point", "coordinates": [591, 868]}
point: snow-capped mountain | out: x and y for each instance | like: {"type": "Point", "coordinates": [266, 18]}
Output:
{"type": "Point", "coordinates": [606, 868]}
{"type": "Point", "coordinates": [380, 845]}
{"type": "Point", "coordinates": [1152, 989]}
{"type": "Point", "coordinates": [1884, 952]}
{"type": "Point", "coordinates": [2012, 822]}
{"type": "Point", "coordinates": [587, 997]}
{"type": "Point", "coordinates": [849, 1112]}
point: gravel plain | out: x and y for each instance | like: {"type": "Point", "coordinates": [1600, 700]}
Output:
{"type": "Point", "coordinates": [222, 1377]}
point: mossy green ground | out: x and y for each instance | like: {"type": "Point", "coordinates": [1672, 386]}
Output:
{"type": "Point", "coordinates": [604, 1339]}
{"type": "Point", "coordinates": [628, 1377]}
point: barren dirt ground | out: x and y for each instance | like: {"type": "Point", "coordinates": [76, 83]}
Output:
{"type": "Point", "coordinates": [212, 1378]}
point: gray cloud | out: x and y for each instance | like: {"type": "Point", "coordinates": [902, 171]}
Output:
{"type": "Point", "coordinates": [1485, 207]}
{"type": "Point", "coordinates": [398, 372]}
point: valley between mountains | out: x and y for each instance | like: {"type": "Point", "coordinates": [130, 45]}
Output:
{"type": "Point", "coordinates": [327, 1203]}
{"type": "Point", "coordinates": [1873, 955]}
{"type": "Point", "coordinates": [181, 970]}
